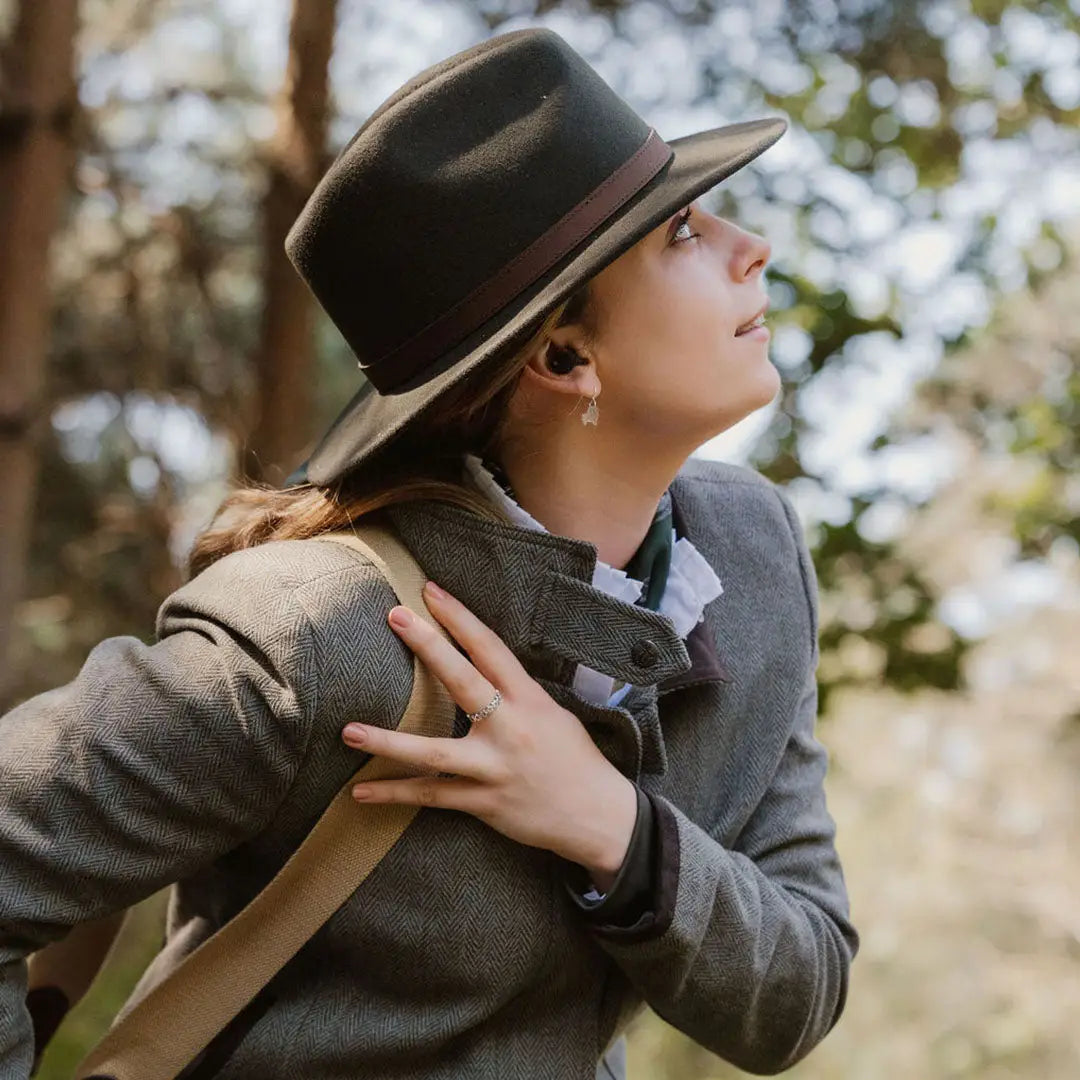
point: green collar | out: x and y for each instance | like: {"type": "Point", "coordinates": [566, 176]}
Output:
{"type": "Point", "coordinates": [652, 560]}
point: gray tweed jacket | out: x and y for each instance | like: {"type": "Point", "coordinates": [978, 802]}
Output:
{"type": "Point", "coordinates": [204, 758]}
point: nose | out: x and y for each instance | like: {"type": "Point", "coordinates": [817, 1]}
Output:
{"type": "Point", "coordinates": [749, 255]}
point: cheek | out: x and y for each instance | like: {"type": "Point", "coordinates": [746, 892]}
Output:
{"type": "Point", "coordinates": [699, 318]}
{"type": "Point", "coordinates": [670, 320]}
{"type": "Point", "coordinates": [673, 344]}
{"type": "Point", "coordinates": [702, 353]}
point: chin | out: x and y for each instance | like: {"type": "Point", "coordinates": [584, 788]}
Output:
{"type": "Point", "coordinates": [749, 400]}
{"type": "Point", "coordinates": [751, 385]}
{"type": "Point", "coordinates": [770, 381]}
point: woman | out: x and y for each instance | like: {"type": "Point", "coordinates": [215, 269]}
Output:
{"type": "Point", "coordinates": [639, 815]}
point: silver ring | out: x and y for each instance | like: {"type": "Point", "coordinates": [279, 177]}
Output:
{"type": "Point", "coordinates": [487, 710]}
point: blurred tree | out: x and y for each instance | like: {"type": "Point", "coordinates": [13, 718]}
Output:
{"type": "Point", "coordinates": [38, 108]}
{"type": "Point", "coordinates": [297, 158]}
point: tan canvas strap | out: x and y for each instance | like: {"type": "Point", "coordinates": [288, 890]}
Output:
{"type": "Point", "coordinates": [165, 1030]}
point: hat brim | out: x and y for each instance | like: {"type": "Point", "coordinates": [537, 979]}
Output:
{"type": "Point", "coordinates": [370, 421]}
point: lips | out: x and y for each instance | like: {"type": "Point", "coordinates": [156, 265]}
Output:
{"type": "Point", "coordinates": [757, 319]}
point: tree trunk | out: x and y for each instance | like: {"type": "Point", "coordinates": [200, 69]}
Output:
{"type": "Point", "coordinates": [38, 106]}
{"type": "Point", "coordinates": [285, 356]}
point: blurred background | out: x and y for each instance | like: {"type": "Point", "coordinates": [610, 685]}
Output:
{"type": "Point", "coordinates": [924, 215]}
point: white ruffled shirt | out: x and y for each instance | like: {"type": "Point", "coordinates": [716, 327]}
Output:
{"type": "Point", "coordinates": [691, 584]}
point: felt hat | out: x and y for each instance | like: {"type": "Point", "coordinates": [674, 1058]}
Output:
{"type": "Point", "coordinates": [473, 200]}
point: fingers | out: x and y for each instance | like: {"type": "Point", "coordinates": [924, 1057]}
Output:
{"type": "Point", "coordinates": [476, 766]}
{"type": "Point", "coordinates": [467, 686]}
{"type": "Point", "coordinates": [446, 793]}
{"type": "Point", "coordinates": [469, 758]}
{"type": "Point", "coordinates": [488, 652]}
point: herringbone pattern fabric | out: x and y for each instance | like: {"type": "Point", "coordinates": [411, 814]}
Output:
{"type": "Point", "coordinates": [204, 758]}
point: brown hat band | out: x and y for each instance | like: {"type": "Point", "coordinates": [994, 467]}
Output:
{"type": "Point", "coordinates": [527, 266]}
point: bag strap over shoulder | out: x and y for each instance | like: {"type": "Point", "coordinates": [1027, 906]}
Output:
{"type": "Point", "coordinates": [165, 1030]}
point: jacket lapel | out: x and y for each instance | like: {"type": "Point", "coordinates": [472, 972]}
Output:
{"type": "Point", "coordinates": [534, 589]}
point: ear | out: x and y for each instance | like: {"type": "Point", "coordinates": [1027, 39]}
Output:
{"type": "Point", "coordinates": [581, 380]}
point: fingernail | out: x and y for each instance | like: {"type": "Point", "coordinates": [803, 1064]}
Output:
{"type": "Point", "coordinates": [360, 792]}
{"type": "Point", "coordinates": [400, 616]}
{"type": "Point", "coordinates": [435, 590]}
{"type": "Point", "coordinates": [355, 732]}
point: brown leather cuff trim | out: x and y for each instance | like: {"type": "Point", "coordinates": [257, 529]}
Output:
{"type": "Point", "coordinates": [631, 892]}
{"type": "Point", "coordinates": [653, 924]}
{"type": "Point", "coordinates": [667, 835]}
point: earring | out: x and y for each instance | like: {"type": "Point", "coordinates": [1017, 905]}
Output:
{"type": "Point", "coordinates": [592, 413]}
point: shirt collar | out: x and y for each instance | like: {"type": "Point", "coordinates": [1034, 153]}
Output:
{"type": "Point", "coordinates": [681, 579]}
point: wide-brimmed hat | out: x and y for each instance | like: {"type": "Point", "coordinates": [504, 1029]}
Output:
{"type": "Point", "coordinates": [472, 201]}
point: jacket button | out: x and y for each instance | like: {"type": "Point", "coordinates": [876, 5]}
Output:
{"type": "Point", "coordinates": [645, 652]}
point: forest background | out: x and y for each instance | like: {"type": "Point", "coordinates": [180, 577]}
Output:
{"type": "Point", "coordinates": [924, 216]}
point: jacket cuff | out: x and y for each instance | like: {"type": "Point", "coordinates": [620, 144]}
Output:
{"type": "Point", "coordinates": [630, 905]}
{"type": "Point", "coordinates": [654, 918]}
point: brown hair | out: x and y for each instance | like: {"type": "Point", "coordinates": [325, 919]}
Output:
{"type": "Point", "coordinates": [468, 417]}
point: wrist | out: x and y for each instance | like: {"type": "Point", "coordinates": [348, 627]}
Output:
{"type": "Point", "coordinates": [613, 839]}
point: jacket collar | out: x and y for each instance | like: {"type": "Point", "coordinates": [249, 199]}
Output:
{"type": "Point", "coordinates": [534, 589]}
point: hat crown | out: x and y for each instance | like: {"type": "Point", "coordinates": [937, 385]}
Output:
{"type": "Point", "coordinates": [462, 194]}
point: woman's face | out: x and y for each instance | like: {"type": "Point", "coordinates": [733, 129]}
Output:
{"type": "Point", "coordinates": [668, 359]}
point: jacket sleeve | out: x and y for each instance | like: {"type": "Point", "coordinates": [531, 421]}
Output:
{"type": "Point", "coordinates": [153, 761]}
{"type": "Point", "coordinates": [748, 950]}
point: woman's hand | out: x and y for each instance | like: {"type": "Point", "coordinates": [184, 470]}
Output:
{"type": "Point", "coordinates": [529, 769]}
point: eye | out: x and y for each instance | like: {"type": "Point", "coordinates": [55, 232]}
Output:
{"type": "Point", "coordinates": [684, 220]}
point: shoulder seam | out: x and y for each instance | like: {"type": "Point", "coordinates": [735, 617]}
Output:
{"type": "Point", "coordinates": [702, 470]}
{"type": "Point", "coordinates": [718, 482]}
{"type": "Point", "coordinates": [309, 637]}
{"type": "Point", "coordinates": [290, 589]}
{"type": "Point", "coordinates": [296, 581]}
{"type": "Point", "coordinates": [378, 579]}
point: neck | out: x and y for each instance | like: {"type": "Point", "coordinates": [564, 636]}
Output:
{"type": "Point", "coordinates": [589, 493]}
